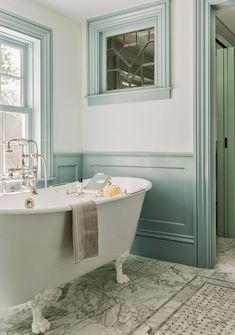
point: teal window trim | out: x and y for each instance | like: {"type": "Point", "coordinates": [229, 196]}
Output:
{"type": "Point", "coordinates": [44, 36]}
{"type": "Point", "coordinates": [156, 15]}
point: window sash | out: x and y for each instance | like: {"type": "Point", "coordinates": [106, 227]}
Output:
{"type": "Point", "coordinates": [123, 30]}
{"type": "Point", "coordinates": [24, 95]}
{"type": "Point", "coordinates": [9, 41]}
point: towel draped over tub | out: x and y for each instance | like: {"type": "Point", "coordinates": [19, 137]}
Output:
{"type": "Point", "coordinates": [85, 230]}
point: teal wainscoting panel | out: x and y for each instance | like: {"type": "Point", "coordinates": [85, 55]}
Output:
{"type": "Point", "coordinates": [166, 228]}
{"type": "Point", "coordinates": [68, 167]}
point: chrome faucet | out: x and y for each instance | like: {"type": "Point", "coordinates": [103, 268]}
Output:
{"type": "Point", "coordinates": [28, 172]}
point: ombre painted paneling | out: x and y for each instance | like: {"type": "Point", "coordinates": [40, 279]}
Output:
{"type": "Point", "coordinates": [68, 167]}
{"type": "Point", "coordinates": [166, 229]}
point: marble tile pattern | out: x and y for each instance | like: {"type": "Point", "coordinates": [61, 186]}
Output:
{"type": "Point", "coordinates": [159, 297]}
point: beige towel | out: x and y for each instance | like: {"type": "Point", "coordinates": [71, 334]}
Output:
{"type": "Point", "coordinates": [85, 230]}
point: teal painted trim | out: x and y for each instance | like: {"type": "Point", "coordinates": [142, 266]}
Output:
{"type": "Point", "coordinates": [231, 141]}
{"type": "Point", "coordinates": [224, 34]}
{"type": "Point", "coordinates": [172, 251]}
{"type": "Point", "coordinates": [68, 167]}
{"type": "Point", "coordinates": [168, 211]}
{"type": "Point", "coordinates": [138, 154]}
{"type": "Point", "coordinates": [132, 95]}
{"type": "Point", "coordinates": [99, 27]}
{"type": "Point", "coordinates": [204, 128]}
{"type": "Point", "coordinates": [165, 236]}
{"type": "Point", "coordinates": [47, 98]}
{"type": "Point", "coordinates": [44, 34]}
{"type": "Point", "coordinates": [203, 152]}
{"type": "Point", "coordinates": [220, 141]}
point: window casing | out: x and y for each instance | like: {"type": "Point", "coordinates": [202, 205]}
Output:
{"type": "Point", "coordinates": [155, 17]}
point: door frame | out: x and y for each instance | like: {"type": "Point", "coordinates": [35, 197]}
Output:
{"type": "Point", "coordinates": [204, 129]}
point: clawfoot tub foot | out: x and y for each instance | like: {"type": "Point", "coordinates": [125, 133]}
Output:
{"type": "Point", "coordinates": [41, 324]}
{"type": "Point", "coordinates": [120, 276]}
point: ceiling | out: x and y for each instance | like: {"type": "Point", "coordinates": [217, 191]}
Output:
{"type": "Point", "coordinates": [227, 15]}
{"type": "Point", "coordinates": [83, 9]}
{"type": "Point", "coordinates": [80, 9]}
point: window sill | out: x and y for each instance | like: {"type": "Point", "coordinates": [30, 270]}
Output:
{"type": "Point", "coordinates": [129, 96]}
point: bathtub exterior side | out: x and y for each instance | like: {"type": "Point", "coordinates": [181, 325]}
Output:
{"type": "Point", "coordinates": [36, 250]}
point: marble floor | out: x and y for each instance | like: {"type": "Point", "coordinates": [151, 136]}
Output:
{"type": "Point", "coordinates": [161, 298]}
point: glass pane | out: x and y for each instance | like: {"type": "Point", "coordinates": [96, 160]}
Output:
{"type": "Point", "coordinates": [11, 60]}
{"type": "Point", "coordinates": [110, 43]}
{"type": "Point", "coordinates": [130, 39]}
{"type": "Point", "coordinates": [119, 42]}
{"type": "Point", "coordinates": [149, 53]}
{"type": "Point", "coordinates": [111, 60]}
{"type": "Point", "coordinates": [15, 128]}
{"type": "Point", "coordinates": [148, 74]}
{"type": "Point", "coordinates": [112, 80]}
{"type": "Point", "coordinates": [10, 91]}
{"type": "Point", "coordinates": [130, 54]}
{"type": "Point", "coordinates": [130, 59]}
{"type": "Point", "coordinates": [142, 37]}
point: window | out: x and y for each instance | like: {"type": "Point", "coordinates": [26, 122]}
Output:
{"type": "Point", "coordinates": [25, 87]}
{"type": "Point", "coordinates": [128, 55]}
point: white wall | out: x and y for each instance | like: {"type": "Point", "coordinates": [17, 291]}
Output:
{"type": "Point", "coordinates": [152, 126]}
{"type": "Point", "coordinates": [66, 74]}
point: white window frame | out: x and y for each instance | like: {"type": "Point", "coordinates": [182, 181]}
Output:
{"type": "Point", "coordinates": [40, 40]}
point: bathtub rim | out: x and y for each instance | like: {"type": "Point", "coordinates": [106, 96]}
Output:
{"type": "Point", "coordinates": [66, 208]}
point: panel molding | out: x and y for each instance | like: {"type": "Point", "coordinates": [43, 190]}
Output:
{"type": "Point", "coordinates": [139, 153]}
{"type": "Point", "coordinates": [68, 167]}
{"type": "Point", "coordinates": [165, 236]}
{"type": "Point", "coordinates": [166, 228]}
{"type": "Point", "coordinates": [168, 213]}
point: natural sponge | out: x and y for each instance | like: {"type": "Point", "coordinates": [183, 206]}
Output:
{"type": "Point", "coordinates": [111, 190]}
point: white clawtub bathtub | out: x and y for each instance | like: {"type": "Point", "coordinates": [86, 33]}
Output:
{"type": "Point", "coordinates": [36, 250]}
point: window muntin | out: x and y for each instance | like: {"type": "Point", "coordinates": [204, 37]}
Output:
{"type": "Point", "coordinates": [131, 59]}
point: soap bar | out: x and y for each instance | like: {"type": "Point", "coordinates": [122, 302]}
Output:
{"type": "Point", "coordinates": [111, 191]}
